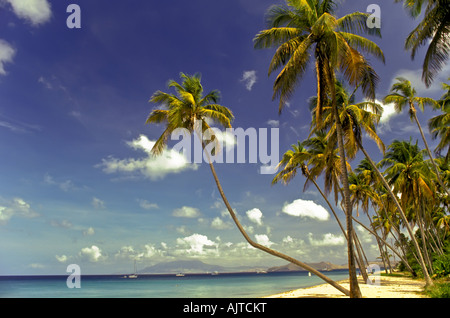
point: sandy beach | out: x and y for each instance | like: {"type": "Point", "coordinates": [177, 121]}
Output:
{"type": "Point", "coordinates": [386, 287]}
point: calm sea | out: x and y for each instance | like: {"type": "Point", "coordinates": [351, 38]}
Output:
{"type": "Point", "coordinates": [240, 285]}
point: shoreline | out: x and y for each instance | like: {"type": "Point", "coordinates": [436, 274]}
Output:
{"type": "Point", "coordinates": [387, 287]}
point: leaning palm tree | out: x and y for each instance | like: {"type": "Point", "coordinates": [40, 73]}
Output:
{"type": "Point", "coordinates": [434, 31]}
{"type": "Point", "coordinates": [404, 95]}
{"type": "Point", "coordinates": [191, 110]}
{"type": "Point", "coordinates": [305, 29]}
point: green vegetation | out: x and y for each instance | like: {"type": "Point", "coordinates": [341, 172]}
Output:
{"type": "Point", "coordinates": [440, 289]}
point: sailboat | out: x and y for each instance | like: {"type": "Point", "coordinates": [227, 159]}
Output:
{"type": "Point", "coordinates": [135, 274]}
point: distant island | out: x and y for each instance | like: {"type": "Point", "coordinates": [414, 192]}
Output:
{"type": "Point", "coordinates": [199, 267]}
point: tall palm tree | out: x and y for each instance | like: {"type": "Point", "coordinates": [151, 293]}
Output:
{"type": "Point", "coordinates": [305, 29]}
{"type": "Point", "coordinates": [409, 175]}
{"type": "Point", "coordinates": [433, 30]}
{"type": "Point", "coordinates": [404, 95]}
{"type": "Point", "coordinates": [190, 109]}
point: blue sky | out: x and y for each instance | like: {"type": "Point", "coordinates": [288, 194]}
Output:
{"type": "Point", "coordinates": [76, 182]}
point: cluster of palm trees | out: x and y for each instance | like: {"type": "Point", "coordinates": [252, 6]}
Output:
{"type": "Point", "coordinates": [413, 188]}
{"type": "Point", "coordinates": [407, 193]}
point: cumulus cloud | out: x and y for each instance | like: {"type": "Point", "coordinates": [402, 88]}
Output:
{"type": "Point", "coordinates": [7, 53]}
{"type": "Point", "coordinates": [195, 244]}
{"type": "Point", "coordinates": [263, 239]}
{"type": "Point", "coordinates": [186, 212]}
{"type": "Point", "coordinates": [151, 167]}
{"type": "Point", "coordinates": [92, 254]}
{"type": "Point", "coordinates": [15, 207]}
{"type": "Point", "coordinates": [249, 79]}
{"type": "Point", "coordinates": [328, 239]}
{"type": "Point", "coordinates": [255, 215]}
{"type": "Point", "coordinates": [388, 112]}
{"type": "Point", "coordinates": [306, 209]}
{"type": "Point", "coordinates": [36, 12]}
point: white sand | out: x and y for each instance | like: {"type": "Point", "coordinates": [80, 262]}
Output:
{"type": "Point", "coordinates": [387, 287]}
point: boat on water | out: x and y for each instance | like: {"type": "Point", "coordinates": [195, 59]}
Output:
{"type": "Point", "coordinates": [215, 273]}
{"type": "Point", "coordinates": [179, 275]}
{"type": "Point", "coordinates": [132, 276]}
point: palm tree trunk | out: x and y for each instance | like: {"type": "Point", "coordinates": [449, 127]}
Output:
{"type": "Point", "coordinates": [436, 169]}
{"type": "Point", "coordinates": [355, 292]}
{"type": "Point", "coordinates": [307, 174]}
{"type": "Point", "coordinates": [266, 249]}
{"type": "Point", "coordinates": [427, 277]}
{"type": "Point", "coordinates": [385, 243]}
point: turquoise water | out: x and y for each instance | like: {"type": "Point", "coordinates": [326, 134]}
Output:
{"type": "Point", "coordinates": [190, 286]}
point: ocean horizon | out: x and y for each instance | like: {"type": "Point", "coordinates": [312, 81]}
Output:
{"type": "Point", "coordinates": [222, 285]}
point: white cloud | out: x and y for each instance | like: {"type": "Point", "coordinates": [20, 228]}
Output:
{"type": "Point", "coordinates": [415, 77]}
{"type": "Point", "coordinates": [62, 258]}
{"type": "Point", "coordinates": [273, 123]}
{"type": "Point", "coordinates": [186, 212]}
{"type": "Point", "coordinates": [249, 78]}
{"type": "Point", "coordinates": [255, 215]}
{"type": "Point", "coordinates": [151, 167]}
{"type": "Point", "coordinates": [306, 209]}
{"type": "Point", "coordinates": [65, 185]}
{"type": "Point", "coordinates": [89, 232]}
{"type": "Point", "coordinates": [219, 224]}
{"type": "Point", "coordinates": [92, 254]}
{"type": "Point", "coordinates": [7, 53]}
{"type": "Point", "coordinates": [97, 203]}
{"type": "Point", "coordinates": [146, 205]}
{"type": "Point", "coordinates": [263, 239]}
{"type": "Point", "coordinates": [35, 11]}
{"type": "Point", "coordinates": [388, 112]}
{"type": "Point", "coordinates": [195, 244]}
{"type": "Point", "coordinates": [328, 239]}
{"type": "Point", "coordinates": [15, 207]}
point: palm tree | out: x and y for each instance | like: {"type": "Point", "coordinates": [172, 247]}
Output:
{"type": "Point", "coordinates": [191, 110]}
{"type": "Point", "coordinates": [303, 29]}
{"type": "Point", "coordinates": [433, 30]}
{"type": "Point", "coordinates": [404, 95]}
{"type": "Point", "coordinates": [440, 125]}
{"type": "Point", "coordinates": [298, 158]}
{"type": "Point", "coordinates": [409, 175]}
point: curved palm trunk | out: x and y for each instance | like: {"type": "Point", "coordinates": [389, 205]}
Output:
{"type": "Point", "coordinates": [426, 275]}
{"type": "Point", "coordinates": [355, 292]}
{"type": "Point", "coordinates": [266, 249]}
{"type": "Point", "coordinates": [262, 247]}
{"type": "Point", "coordinates": [436, 169]}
